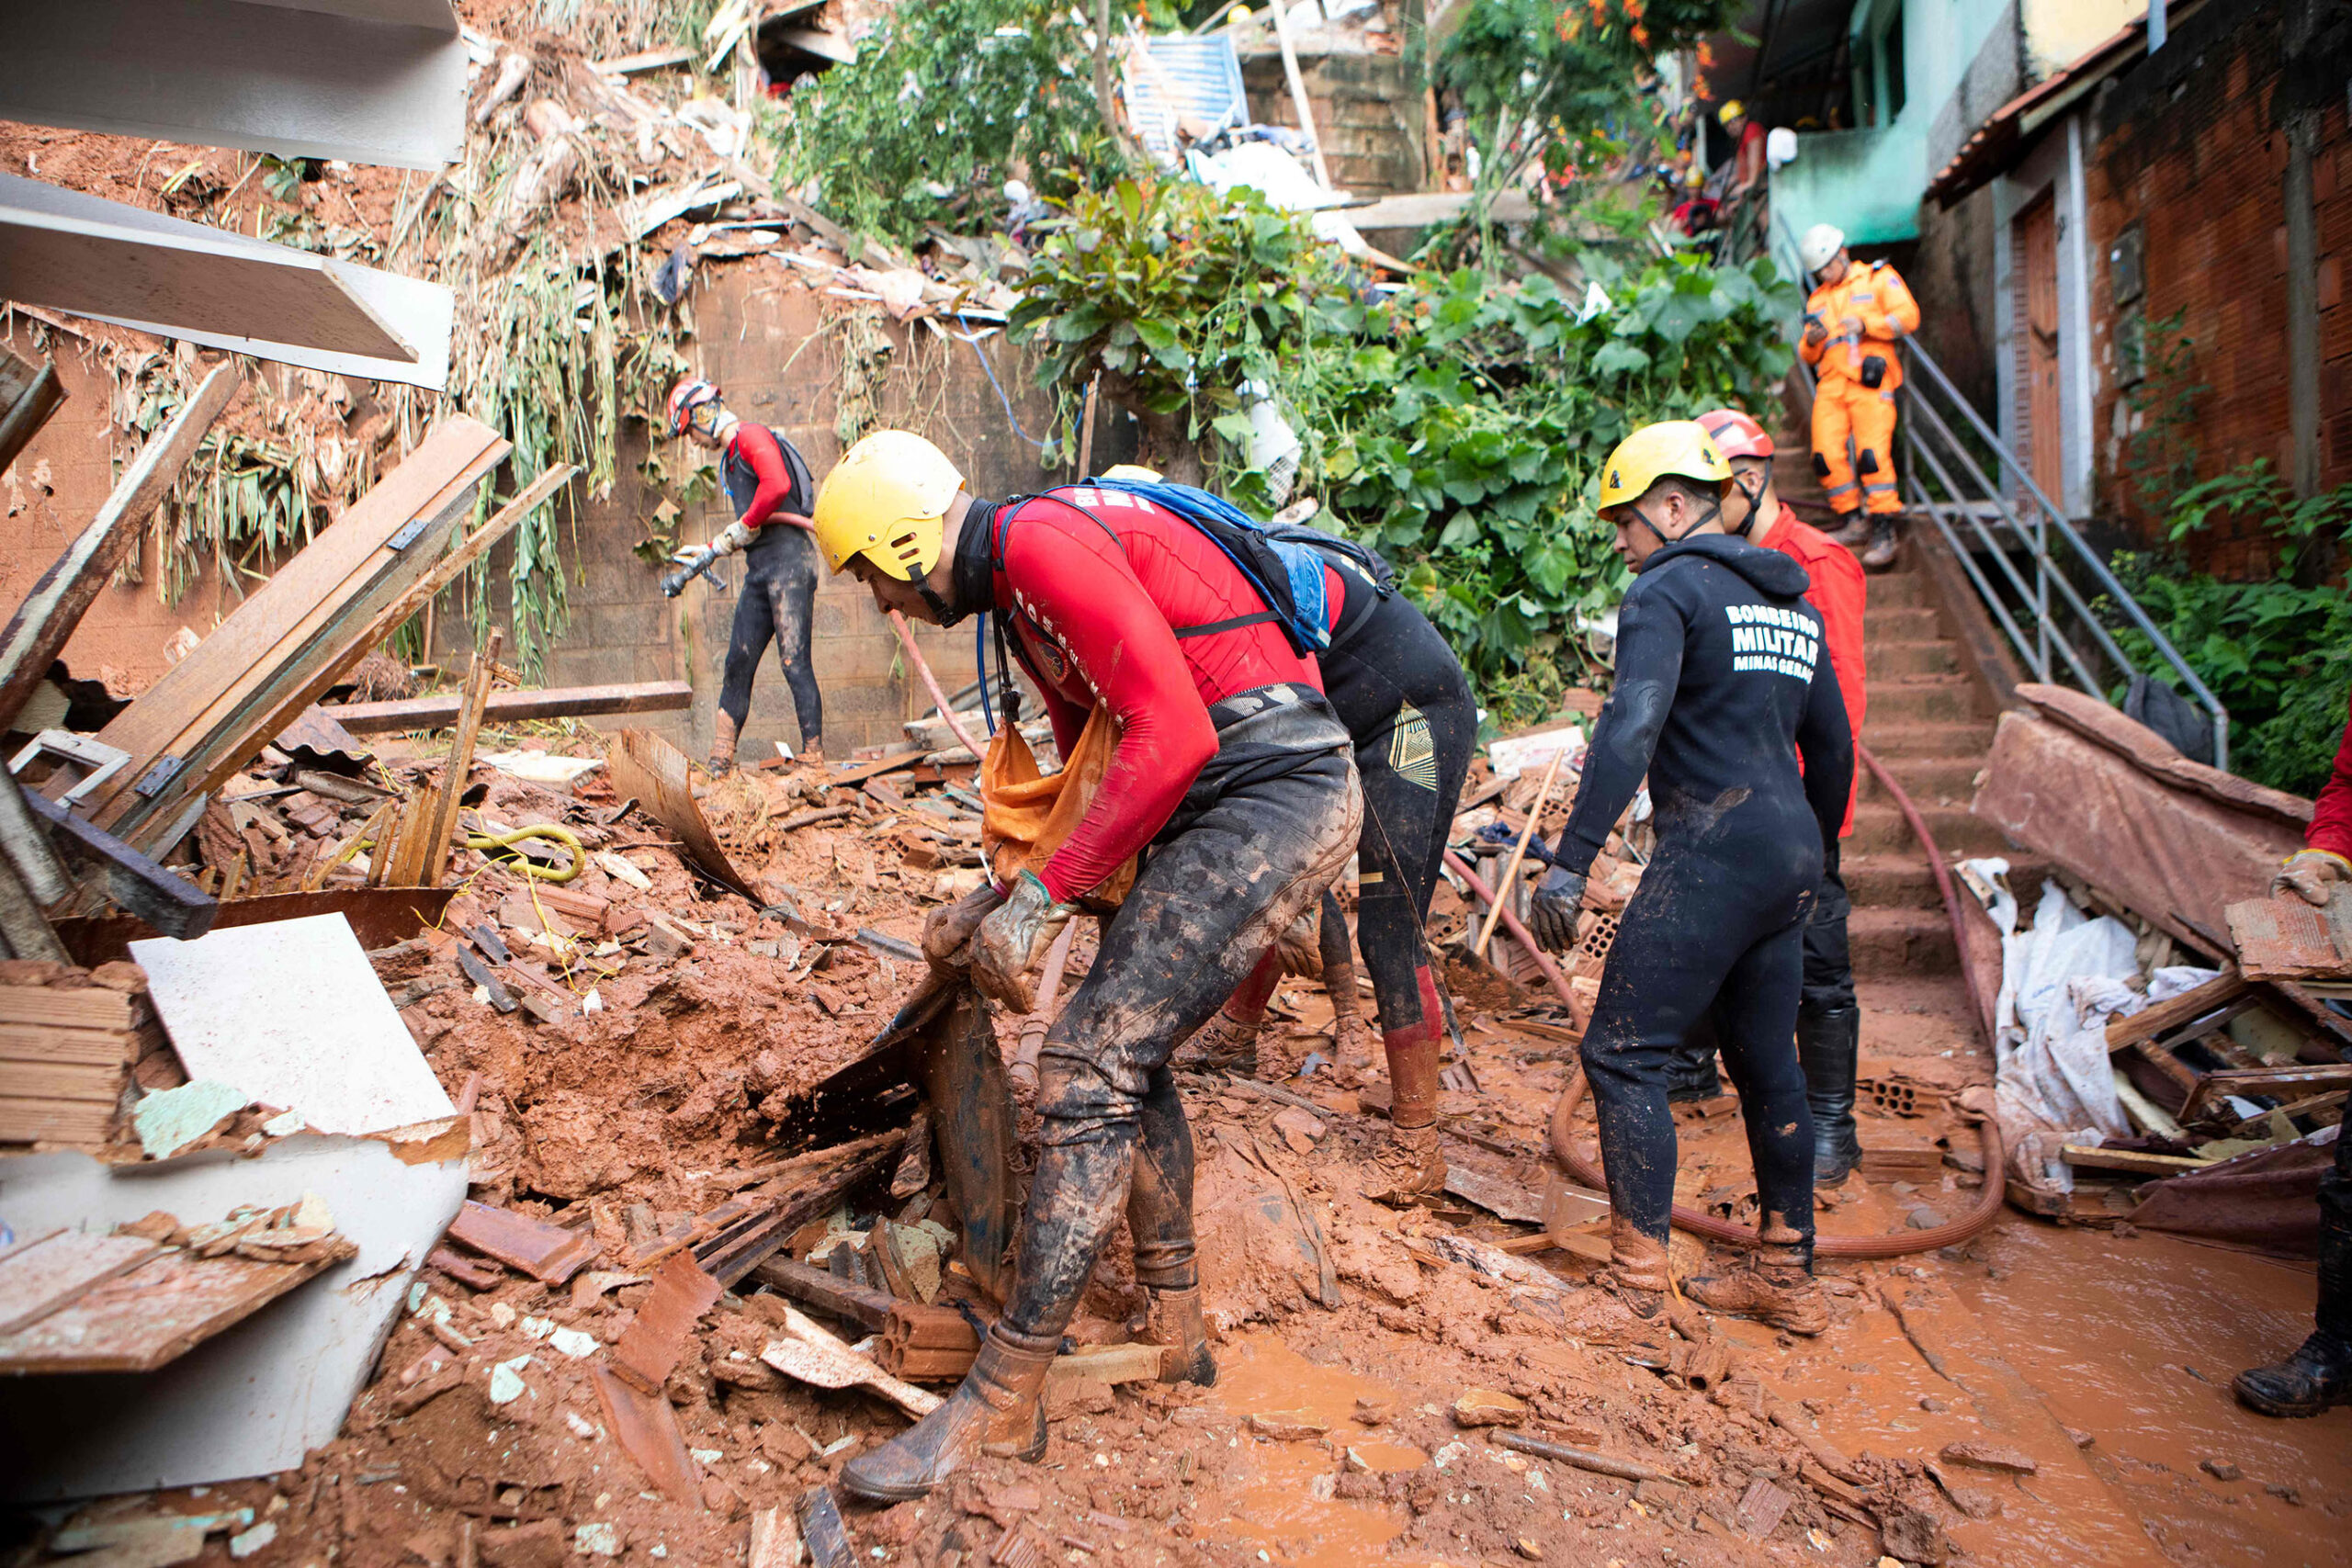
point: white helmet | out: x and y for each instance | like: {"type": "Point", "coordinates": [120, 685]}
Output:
{"type": "Point", "coordinates": [1821, 242]}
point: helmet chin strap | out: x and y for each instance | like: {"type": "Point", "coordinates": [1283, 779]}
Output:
{"type": "Point", "coordinates": [1754, 508]}
{"type": "Point", "coordinates": [947, 613]}
{"type": "Point", "coordinates": [1659, 536]}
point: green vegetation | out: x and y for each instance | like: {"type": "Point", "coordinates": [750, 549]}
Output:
{"type": "Point", "coordinates": [951, 99]}
{"type": "Point", "coordinates": [2277, 652]}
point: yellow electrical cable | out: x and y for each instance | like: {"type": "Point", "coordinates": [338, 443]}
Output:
{"type": "Point", "coordinates": [548, 830]}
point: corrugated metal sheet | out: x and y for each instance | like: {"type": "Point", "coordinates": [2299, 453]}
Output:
{"type": "Point", "coordinates": [1167, 78]}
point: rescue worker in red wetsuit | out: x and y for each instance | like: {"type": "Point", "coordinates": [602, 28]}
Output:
{"type": "Point", "coordinates": [1828, 1021]}
{"type": "Point", "coordinates": [769, 484]}
{"type": "Point", "coordinates": [2319, 1374]}
{"type": "Point", "coordinates": [1231, 771]}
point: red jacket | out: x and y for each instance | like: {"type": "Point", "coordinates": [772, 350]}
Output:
{"type": "Point", "coordinates": [764, 475]}
{"type": "Point", "coordinates": [1837, 592]}
{"type": "Point", "coordinates": [1096, 583]}
{"type": "Point", "coordinates": [2331, 827]}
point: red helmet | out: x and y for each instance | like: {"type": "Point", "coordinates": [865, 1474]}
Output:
{"type": "Point", "coordinates": [1736, 434]}
{"type": "Point", "coordinates": [689, 394]}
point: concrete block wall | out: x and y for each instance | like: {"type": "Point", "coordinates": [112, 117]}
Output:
{"type": "Point", "coordinates": [1367, 110]}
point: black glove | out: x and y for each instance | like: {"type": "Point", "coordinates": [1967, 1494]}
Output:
{"type": "Point", "coordinates": [1559, 898]}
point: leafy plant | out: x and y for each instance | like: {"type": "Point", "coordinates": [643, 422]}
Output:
{"type": "Point", "coordinates": [2161, 454]}
{"type": "Point", "coordinates": [949, 99]}
{"type": "Point", "coordinates": [1462, 432]}
{"type": "Point", "coordinates": [2277, 653]}
{"type": "Point", "coordinates": [1178, 295]}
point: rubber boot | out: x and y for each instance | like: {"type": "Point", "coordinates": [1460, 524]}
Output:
{"type": "Point", "coordinates": [1773, 1285]}
{"type": "Point", "coordinates": [1175, 1323]}
{"type": "Point", "coordinates": [2319, 1374]}
{"type": "Point", "coordinates": [1639, 1272]}
{"type": "Point", "coordinates": [723, 730]}
{"type": "Point", "coordinates": [1411, 1165]}
{"type": "Point", "coordinates": [1351, 1035]}
{"type": "Point", "coordinates": [998, 1411]}
{"type": "Point", "coordinates": [1830, 1042]}
{"type": "Point", "coordinates": [1879, 557]}
{"type": "Point", "coordinates": [1160, 1218]}
{"type": "Point", "coordinates": [1225, 1043]}
{"type": "Point", "coordinates": [1855, 532]}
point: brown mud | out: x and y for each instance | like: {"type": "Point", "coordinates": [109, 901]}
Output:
{"type": "Point", "coordinates": [2095, 1361]}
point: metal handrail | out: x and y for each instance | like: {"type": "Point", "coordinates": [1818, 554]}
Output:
{"type": "Point", "coordinates": [2020, 546]}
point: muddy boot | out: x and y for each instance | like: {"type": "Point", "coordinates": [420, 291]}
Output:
{"type": "Point", "coordinates": [1175, 1323]}
{"type": "Point", "coordinates": [1774, 1285]}
{"type": "Point", "coordinates": [1637, 1272]}
{"type": "Point", "coordinates": [2319, 1374]}
{"type": "Point", "coordinates": [723, 730]}
{"type": "Point", "coordinates": [1351, 1035]}
{"type": "Point", "coordinates": [1223, 1045]}
{"type": "Point", "coordinates": [1879, 557]}
{"type": "Point", "coordinates": [1828, 1041]}
{"type": "Point", "coordinates": [1411, 1166]}
{"type": "Point", "coordinates": [1408, 1167]}
{"type": "Point", "coordinates": [1855, 532]}
{"type": "Point", "coordinates": [1691, 1073]}
{"type": "Point", "coordinates": [999, 1410]}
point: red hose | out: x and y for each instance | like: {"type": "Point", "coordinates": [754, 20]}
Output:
{"type": "Point", "coordinates": [1989, 1131]}
{"type": "Point", "coordinates": [1511, 923]}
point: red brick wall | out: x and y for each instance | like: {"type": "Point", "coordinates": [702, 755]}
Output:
{"type": "Point", "coordinates": [2193, 154]}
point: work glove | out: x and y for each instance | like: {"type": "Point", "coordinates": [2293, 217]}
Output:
{"type": "Point", "coordinates": [1553, 913]}
{"type": "Point", "coordinates": [1301, 946]}
{"type": "Point", "coordinates": [2311, 875]}
{"type": "Point", "coordinates": [1014, 938]}
{"type": "Point", "coordinates": [1816, 335]}
{"type": "Point", "coordinates": [735, 537]}
{"type": "Point", "coordinates": [947, 930]}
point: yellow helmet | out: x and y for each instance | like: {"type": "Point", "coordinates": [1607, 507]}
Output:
{"type": "Point", "coordinates": [885, 501]}
{"type": "Point", "coordinates": [1678, 447]}
{"type": "Point", "coordinates": [1132, 472]}
{"type": "Point", "coordinates": [1732, 108]}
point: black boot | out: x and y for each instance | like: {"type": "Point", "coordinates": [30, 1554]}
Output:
{"type": "Point", "coordinates": [1828, 1041]}
{"type": "Point", "coordinates": [2319, 1374]}
{"type": "Point", "coordinates": [998, 1410]}
{"type": "Point", "coordinates": [1690, 1066]}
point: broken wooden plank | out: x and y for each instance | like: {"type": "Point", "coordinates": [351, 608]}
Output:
{"type": "Point", "coordinates": [650, 768]}
{"type": "Point", "coordinates": [299, 632]}
{"type": "Point", "coordinates": [825, 1291]}
{"type": "Point", "coordinates": [732, 1254]}
{"type": "Point", "coordinates": [39, 1279]}
{"type": "Point", "coordinates": [2273, 1082]}
{"type": "Point", "coordinates": [2158, 1018]}
{"type": "Point", "coordinates": [151, 1315]}
{"type": "Point", "coordinates": [1500, 1196]}
{"type": "Point", "coordinates": [54, 605]}
{"type": "Point", "coordinates": [649, 1349]}
{"type": "Point", "coordinates": [549, 1254]}
{"type": "Point", "coordinates": [817, 1358]}
{"type": "Point", "coordinates": [460, 763]}
{"type": "Point", "coordinates": [28, 396]}
{"type": "Point", "coordinates": [167, 902]}
{"type": "Point", "coordinates": [2083, 1156]}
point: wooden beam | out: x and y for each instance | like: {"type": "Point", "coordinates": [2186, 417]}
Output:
{"type": "Point", "coordinates": [2159, 1018]}
{"type": "Point", "coordinates": [37, 633]}
{"type": "Point", "coordinates": [164, 900]}
{"type": "Point", "coordinates": [461, 762]}
{"type": "Point", "coordinates": [2084, 1157]}
{"type": "Point", "coordinates": [2282, 1083]}
{"type": "Point", "coordinates": [28, 396]}
{"type": "Point", "coordinates": [442, 711]}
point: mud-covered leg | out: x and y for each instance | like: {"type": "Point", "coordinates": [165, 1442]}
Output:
{"type": "Point", "coordinates": [1159, 1216]}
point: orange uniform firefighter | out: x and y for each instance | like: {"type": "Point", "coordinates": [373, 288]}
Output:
{"type": "Point", "coordinates": [1851, 322]}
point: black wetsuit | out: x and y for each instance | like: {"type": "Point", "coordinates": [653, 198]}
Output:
{"type": "Point", "coordinates": [778, 598]}
{"type": "Point", "coordinates": [1721, 683]}
{"type": "Point", "coordinates": [1407, 706]}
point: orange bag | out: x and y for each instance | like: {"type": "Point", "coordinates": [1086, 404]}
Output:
{"type": "Point", "coordinates": [1028, 814]}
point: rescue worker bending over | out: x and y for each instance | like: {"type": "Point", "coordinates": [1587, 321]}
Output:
{"type": "Point", "coordinates": [1406, 702]}
{"type": "Point", "coordinates": [1857, 313]}
{"type": "Point", "coordinates": [1830, 1024]}
{"type": "Point", "coordinates": [1234, 772]}
{"type": "Point", "coordinates": [2319, 1374]}
{"type": "Point", "coordinates": [768, 483]}
{"type": "Point", "coordinates": [1720, 688]}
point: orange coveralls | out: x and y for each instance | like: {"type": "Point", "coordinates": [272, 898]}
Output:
{"type": "Point", "coordinates": [1863, 313]}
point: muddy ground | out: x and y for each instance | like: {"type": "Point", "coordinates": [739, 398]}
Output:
{"type": "Point", "coordinates": [2038, 1395]}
